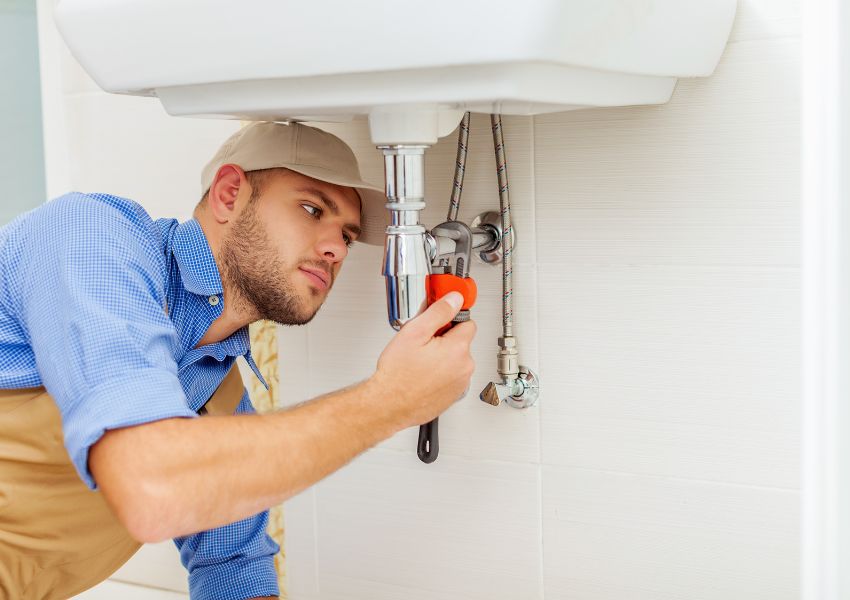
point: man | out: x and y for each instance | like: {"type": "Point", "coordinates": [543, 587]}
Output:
{"type": "Point", "coordinates": [130, 327]}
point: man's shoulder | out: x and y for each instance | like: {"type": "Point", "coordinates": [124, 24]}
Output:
{"type": "Point", "coordinates": [103, 206]}
{"type": "Point", "coordinates": [93, 215]}
{"type": "Point", "coordinates": [89, 223]}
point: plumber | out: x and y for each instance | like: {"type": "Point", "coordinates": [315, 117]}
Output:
{"type": "Point", "coordinates": [123, 419]}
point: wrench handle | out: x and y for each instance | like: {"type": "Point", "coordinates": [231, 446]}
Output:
{"type": "Point", "coordinates": [429, 442]}
{"type": "Point", "coordinates": [438, 286]}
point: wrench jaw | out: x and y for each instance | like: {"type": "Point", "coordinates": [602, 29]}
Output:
{"type": "Point", "coordinates": [450, 271]}
{"type": "Point", "coordinates": [456, 263]}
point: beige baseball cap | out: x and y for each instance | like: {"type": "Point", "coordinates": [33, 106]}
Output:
{"type": "Point", "coordinates": [311, 152]}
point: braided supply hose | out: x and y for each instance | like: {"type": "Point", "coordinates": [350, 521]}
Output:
{"type": "Point", "coordinates": [460, 167]}
{"type": "Point", "coordinates": [507, 233]}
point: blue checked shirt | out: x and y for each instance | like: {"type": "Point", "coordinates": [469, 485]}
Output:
{"type": "Point", "coordinates": [84, 280]}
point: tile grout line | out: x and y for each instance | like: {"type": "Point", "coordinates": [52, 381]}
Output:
{"type": "Point", "coordinates": [533, 164]}
{"type": "Point", "coordinates": [314, 498]}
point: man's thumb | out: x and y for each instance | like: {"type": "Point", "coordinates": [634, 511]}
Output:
{"type": "Point", "coordinates": [437, 315]}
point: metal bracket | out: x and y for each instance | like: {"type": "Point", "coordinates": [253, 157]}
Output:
{"type": "Point", "coordinates": [491, 221]}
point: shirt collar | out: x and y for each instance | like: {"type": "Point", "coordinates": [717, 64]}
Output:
{"type": "Point", "coordinates": [195, 259]}
{"type": "Point", "coordinates": [200, 276]}
{"type": "Point", "coordinates": [239, 344]}
{"type": "Point", "coordinates": [250, 360]}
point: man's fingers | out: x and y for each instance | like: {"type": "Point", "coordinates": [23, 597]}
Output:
{"type": "Point", "coordinates": [462, 331]}
{"type": "Point", "coordinates": [435, 316]}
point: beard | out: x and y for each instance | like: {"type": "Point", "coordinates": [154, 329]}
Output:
{"type": "Point", "coordinates": [257, 275]}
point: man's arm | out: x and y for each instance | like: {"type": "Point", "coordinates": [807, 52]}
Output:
{"type": "Point", "coordinates": [177, 476]}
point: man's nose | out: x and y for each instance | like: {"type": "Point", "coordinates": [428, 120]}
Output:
{"type": "Point", "coordinates": [332, 247]}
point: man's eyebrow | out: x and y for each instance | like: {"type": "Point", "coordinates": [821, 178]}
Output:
{"type": "Point", "coordinates": [332, 206]}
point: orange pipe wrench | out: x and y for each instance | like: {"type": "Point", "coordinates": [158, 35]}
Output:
{"type": "Point", "coordinates": [450, 274]}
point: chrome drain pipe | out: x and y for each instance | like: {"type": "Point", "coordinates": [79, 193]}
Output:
{"type": "Point", "coordinates": [407, 263]}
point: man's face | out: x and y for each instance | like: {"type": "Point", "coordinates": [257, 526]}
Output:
{"type": "Point", "coordinates": [286, 248]}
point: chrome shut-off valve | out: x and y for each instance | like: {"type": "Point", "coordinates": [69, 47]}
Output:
{"type": "Point", "coordinates": [519, 392]}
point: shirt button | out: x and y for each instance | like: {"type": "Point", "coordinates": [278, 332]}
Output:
{"type": "Point", "coordinates": [213, 300]}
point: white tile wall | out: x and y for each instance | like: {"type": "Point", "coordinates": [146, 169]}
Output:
{"type": "Point", "coordinates": [657, 295]}
{"type": "Point", "coordinates": [617, 535]}
{"type": "Point", "coordinates": [659, 301]}
{"type": "Point", "coordinates": [391, 527]}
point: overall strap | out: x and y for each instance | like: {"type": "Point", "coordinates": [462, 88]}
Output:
{"type": "Point", "coordinates": [227, 396]}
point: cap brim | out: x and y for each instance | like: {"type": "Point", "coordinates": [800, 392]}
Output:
{"type": "Point", "coordinates": [374, 216]}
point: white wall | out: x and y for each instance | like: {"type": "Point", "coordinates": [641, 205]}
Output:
{"type": "Point", "coordinates": [657, 295]}
{"type": "Point", "coordinates": [21, 154]}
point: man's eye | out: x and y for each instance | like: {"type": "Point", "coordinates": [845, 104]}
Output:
{"type": "Point", "coordinates": [309, 208]}
{"type": "Point", "coordinates": [348, 240]}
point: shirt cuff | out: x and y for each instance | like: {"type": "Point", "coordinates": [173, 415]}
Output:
{"type": "Point", "coordinates": [236, 579]}
{"type": "Point", "coordinates": [145, 396]}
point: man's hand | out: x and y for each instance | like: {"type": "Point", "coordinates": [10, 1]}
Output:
{"type": "Point", "coordinates": [423, 375]}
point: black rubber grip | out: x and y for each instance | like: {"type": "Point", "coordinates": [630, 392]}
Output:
{"type": "Point", "coordinates": [429, 442]}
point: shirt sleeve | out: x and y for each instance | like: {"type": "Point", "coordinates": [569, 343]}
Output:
{"type": "Point", "coordinates": [233, 562]}
{"type": "Point", "coordinates": [92, 305]}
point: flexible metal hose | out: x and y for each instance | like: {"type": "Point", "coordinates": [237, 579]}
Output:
{"type": "Point", "coordinates": [460, 167]}
{"type": "Point", "coordinates": [507, 227]}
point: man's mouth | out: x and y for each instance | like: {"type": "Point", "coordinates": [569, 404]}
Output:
{"type": "Point", "coordinates": [318, 277]}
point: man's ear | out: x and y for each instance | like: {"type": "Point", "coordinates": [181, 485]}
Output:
{"type": "Point", "coordinates": [228, 180]}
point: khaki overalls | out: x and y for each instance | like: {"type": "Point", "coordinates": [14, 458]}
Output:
{"type": "Point", "coordinates": [57, 537]}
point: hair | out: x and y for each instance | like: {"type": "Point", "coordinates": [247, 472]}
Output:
{"type": "Point", "coordinates": [258, 180]}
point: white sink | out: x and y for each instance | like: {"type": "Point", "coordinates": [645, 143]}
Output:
{"type": "Point", "coordinates": [330, 60]}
